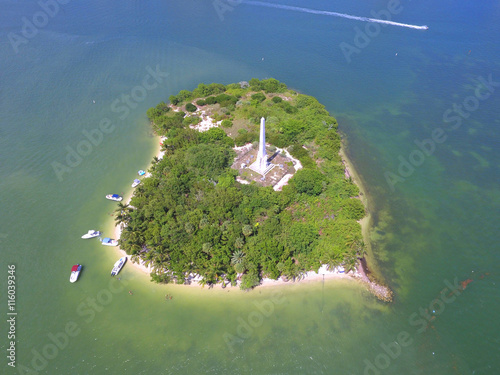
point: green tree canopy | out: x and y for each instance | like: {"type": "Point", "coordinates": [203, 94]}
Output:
{"type": "Point", "coordinates": [308, 181]}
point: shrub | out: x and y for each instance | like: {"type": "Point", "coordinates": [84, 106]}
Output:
{"type": "Point", "coordinates": [288, 107]}
{"type": "Point", "coordinates": [255, 84]}
{"type": "Point", "coordinates": [353, 209]}
{"type": "Point", "coordinates": [191, 120]}
{"type": "Point", "coordinates": [226, 100]}
{"type": "Point", "coordinates": [201, 102]}
{"type": "Point", "coordinates": [236, 92]}
{"type": "Point", "coordinates": [249, 281]}
{"type": "Point", "coordinates": [279, 140]}
{"type": "Point", "coordinates": [212, 135]}
{"type": "Point", "coordinates": [184, 95]}
{"type": "Point", "coordinates": [216, 88]}
{"type": "Point", "coordinates": [191, 107]}
{"type": "Point", "coordinates": [258, 97]}
{"type": "Point", "coordinates": [204, 90]}
{"type": "Point", "coordinates": [308, 181]}
{"type": "Point", "coordinates": [299, 152]}
{"type": "Point", "coordinates": [226, 123]}
{"type": "Point", "coordinates": [154, 113]}
{"type": "Point", "coordinates": [218, 117]}
{"type": "Point", "coordinates": [243, 139]}
{"type": "Point", "coordinates": [292, 128]}
{"type": "Point", "coordinates": [277, 99]}
{"type": "Point", "coordinates": [173, 99]}
{"type": "Point", "coordinates": [302, 237]}
{"type": "Point", "coordinates": [273, 85]}
{"type": "Point", "coordinates": [210, 100]}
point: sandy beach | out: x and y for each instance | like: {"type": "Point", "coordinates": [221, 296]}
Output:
{"type": "Point", "coordinates": [127, 197]}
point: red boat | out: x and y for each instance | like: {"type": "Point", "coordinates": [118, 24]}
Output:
{"type": "Point", "coordinates": [75, 272]}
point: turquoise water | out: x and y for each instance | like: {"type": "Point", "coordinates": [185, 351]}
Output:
{"type": "Point", "coordinates": [437, 226]}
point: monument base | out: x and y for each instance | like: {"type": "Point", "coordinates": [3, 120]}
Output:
{"type": "Point", "coordinates": [255, 166]}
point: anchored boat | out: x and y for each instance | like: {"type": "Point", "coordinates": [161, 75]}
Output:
{"type": "Point", "coordinates": [118, 266]}
{"type": "Point", "coordinates": [91, 234]}
{"type": "Point", "coordinates": [109, 242]}
{"type": "Point", "coordinates": [114, 197]}
{"type": "Point", "coordinates": [75, 272]}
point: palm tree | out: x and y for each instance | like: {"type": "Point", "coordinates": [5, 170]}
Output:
{"type": "Point", "coordinates": [204, 222]}
{"type": "Point", "coordinates": [239, 243]}
{"type": "Point", "coordinates": [239, 268]}
{"type": "Point", "coordinates": [247, 230]}
{"type": "Point", "coordinates": [207, 247]}
{"type": "Point", "coordinates": [359, 247]}
{"type": "Point", "coordinates": [121, 206]}
{"type": "Point", "coordinates": [350, 263]}
{"type": "Point", "coordinates": [237, 257]}
{"type": "Point", "coordinates": [332, 263]}
{"type": "Point", "coordinates": [122, 214]}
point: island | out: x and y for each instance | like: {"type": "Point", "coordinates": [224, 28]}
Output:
{"type": "Point", "coordinates": [251, 186]}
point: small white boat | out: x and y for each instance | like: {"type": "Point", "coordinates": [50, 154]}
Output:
{"type": "Point", "coordinates": [91, 234]}
{"type": "Point", "coordinates": [114, 197]}
{"type": "Point", "coordinates": [109, 242]}
{"type": "Point", "coordinates": [141, 173]}
{"type": "Point", "coordinates": [75, 272]}
{"type": "Point", "coordinates": [341, 269]}
{"type": "Point", "coordinates": [118, 266]}
{"type": "Point", "coordinates": [136, 182]}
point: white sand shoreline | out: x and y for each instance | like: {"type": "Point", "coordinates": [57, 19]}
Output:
{"type": "Point", "coordinates": [118, 228]}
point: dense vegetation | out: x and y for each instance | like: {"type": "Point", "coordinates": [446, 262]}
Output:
{"type": "Point", "coordinates": [192, 216]}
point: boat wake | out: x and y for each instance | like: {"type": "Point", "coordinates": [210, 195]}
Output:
{"type": "Point", "coordinates": [334, 14]}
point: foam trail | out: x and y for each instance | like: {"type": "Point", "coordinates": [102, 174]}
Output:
{"type": "Point", "coordinates": [333, 14]}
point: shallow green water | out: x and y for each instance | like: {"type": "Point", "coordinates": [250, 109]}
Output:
{"type": "Point", "coordinates": [439, 225]}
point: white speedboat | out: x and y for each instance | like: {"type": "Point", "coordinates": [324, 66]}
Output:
{"type": "Point", "coordinates": [109, 242]}
{"type": "Point", "coordinates": [114, 197]}
{"type": "Point", "coordinates": [136, 182]}
{"type": "Point", "coordinates": [118, 266]}
{"type": "Point", "coordinates": [75, 272]}
{"type": "Point", "coordinates": [91, 234]}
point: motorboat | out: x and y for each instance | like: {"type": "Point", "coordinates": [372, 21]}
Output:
{"type": "Point", "coordinates": [141, 173]}
{"type": "Point", "coordinates": [109, 242]}
{"type": "Point", "coordinates": [114, 197]}
{"type": "Point", "coordinates": [118, 266]}
{"type": "Point", "coordinates": [91, 234]}
{"type": "Point", "coordinates": [75, 272]}
{"type": "Point", "coordinates": [136, 182]}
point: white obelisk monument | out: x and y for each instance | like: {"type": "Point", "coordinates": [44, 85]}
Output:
{"type": "Point", "coordinates": [261, 165]}
{"type": "Point", "coordinates": [262, 155]}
